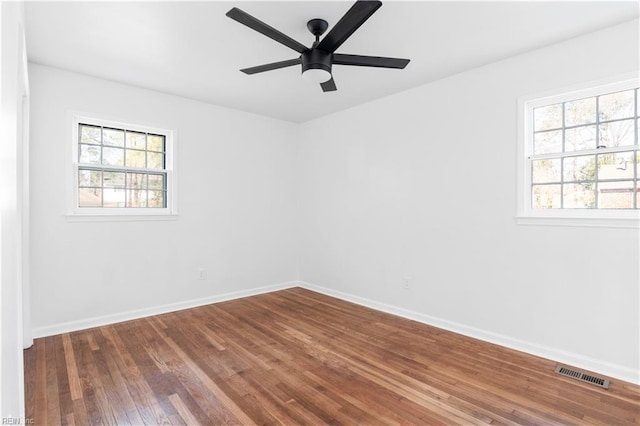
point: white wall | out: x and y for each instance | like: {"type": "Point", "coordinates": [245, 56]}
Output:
{"type": "Point", "coordinates": [236, 202]}
{"type": "Point", "coordinates": [423, 184]}
{"type": "Point", "coordinates": [420, 184]}
{"type": "Point", "coordinates": [13, 85]}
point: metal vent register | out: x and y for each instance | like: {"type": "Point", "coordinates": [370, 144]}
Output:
{"type": "Point", "coordinates": [583, 377]}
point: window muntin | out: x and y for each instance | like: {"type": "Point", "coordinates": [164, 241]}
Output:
{"type": "Point", "coordinates": [121, 169]}
{"type": "Point", "coordinates": [583, 152]}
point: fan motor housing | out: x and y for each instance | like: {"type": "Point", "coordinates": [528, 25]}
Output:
{"type": "Point", "coordinates": [316, 59]}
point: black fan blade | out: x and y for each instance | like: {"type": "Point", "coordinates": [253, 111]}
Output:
{"type": "Point", "coordinates": [369, 61]}
{"type": "Point", "coordinates": [255, 24]}
{"type": "Point", "coordinates": [272, 66]}
{"type": "Point", "coordinates": [351, 21]}
{"type": "Point", "coordinates": [329, 85]}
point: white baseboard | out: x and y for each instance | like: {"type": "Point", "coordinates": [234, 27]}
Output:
{"type": "Point", "coordinates": [83, 324]}
{"type": "Point", "coordinates": [563, 357]}
{"type": "Point", "coordinates": [573, 359]}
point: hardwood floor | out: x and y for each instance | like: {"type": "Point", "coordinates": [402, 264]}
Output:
{"type": "Point", "coordinates": [298, 357]}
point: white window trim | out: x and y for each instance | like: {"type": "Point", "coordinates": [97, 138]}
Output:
{"type": "Point", "coordinates": [526, 215]}
{"type": "Point", "coordinates": [84, 214]}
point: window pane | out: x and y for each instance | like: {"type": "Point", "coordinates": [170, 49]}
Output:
{"type": "Point", "coordinates": [89, 197]}
{"type": "Point", "coordinates": [113, 137]}
{"type": "Point", "coordinates": [577, 136]}
{"type": "Point", "coordinates": [120, 168]}
{"type": "Point", "coordinates": [90, 134]}
{"type": "Point", "coordinates": [617, 165]}
{"type": "Point", "coordinates": [89, 154]}
{"type": "Point", "coordinates": [114, 179]}
{"type": "Point", "coordinates": [112, 156]}
{"type": "Point", "coordinates": [547, 117]}
{"type": "Point", "coordinates": [615, 195]}
{"type": "Point", "coordinates": [617, 133]}
{"type": "Point", "coordinates": [136, 198]}
{"type": "Point", "coordinates": [135, 158]}
{"type": "Point", "coordinates": [89, 178]}
{"type": "Point", "coordinates": [114, 197]}
{"type": "Point", "coordinates": [579, 168]}
{"type": "Point", "coordinates": [617, 105]}
{"type": "Point", "coordinates": [156, 182]}
{"type": "Point", "coordinates": [155, 143]}
{"type": "Point", "coordinates": [578, 195]}
{"type": "Point", "coordinates": [136, 140]}
{"type": "Point", "coordinates": [545, 196]}
{"type": "Point", "coordinates": [580, 138]}
{"type": "Point", "coordinates": [136, 181]}
{"type": "Point", "coordinates": [156, 199]}
{"type": "Point", "coordinates": [547, 142]}
{"type": "Point", "coordinates": [582, 111]}
{"type": "Point", "coordinates": [545, 170]}
{"type": "Point", "coordinates": [155, 160]}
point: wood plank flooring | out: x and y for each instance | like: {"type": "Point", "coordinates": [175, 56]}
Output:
{"type": "Point", "coordinates": [297, 357]}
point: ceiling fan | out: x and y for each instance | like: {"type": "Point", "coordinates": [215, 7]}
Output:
{"type": "Point", "coordinates": [318, 59]}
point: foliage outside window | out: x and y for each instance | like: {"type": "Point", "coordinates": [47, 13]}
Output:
{"type": "Point", "coordinates": [582, 152]}
{"type": "Point", "coordinates": [121, 169]}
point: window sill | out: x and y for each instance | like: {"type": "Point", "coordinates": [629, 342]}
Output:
{"type": "Point", "coordinates": [590, 222]}
{"type": "Point", "coordinates": [119, 217]}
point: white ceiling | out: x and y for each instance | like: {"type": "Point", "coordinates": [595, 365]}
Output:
{"type": "Point", "coordinates": [192, 49]}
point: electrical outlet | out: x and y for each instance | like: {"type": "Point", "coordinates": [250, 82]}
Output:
{"type": "Point", "coordinates": [201, 274]}
{"type": "Point", "coordinates": [405, 282]}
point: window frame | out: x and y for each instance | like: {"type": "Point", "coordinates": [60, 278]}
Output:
{"type": "Point", "coordinates": [526, 214]}
{"type": "Point", "coordinates": [77, 213]}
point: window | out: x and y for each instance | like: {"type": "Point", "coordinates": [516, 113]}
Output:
{"type": "Point", "coordinates": [121, 169]}
{"type": "Point", "coordinates": [581, 157]}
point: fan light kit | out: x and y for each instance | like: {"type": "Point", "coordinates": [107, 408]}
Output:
{"type": "Point", "coordinates": [318, 60]}
{"type": "Point", "coordinates": [316, 75]}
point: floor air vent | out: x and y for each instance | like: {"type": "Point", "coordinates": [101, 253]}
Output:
{"type": "Point", "coordinates": [583, 377]}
